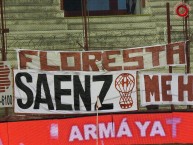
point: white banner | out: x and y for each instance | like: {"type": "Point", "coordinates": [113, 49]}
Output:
{"type": "Point", "coordinates": [54, 92]}
{"type": "Point", "coordinates": [6, 85]}
{"type": "Point", "coordinates": [110, 60]}
{"type": "Point", "coordinates": [162, 89]}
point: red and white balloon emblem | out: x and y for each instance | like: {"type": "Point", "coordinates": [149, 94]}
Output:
{"type": "Point", "coordinates": [125, 83]}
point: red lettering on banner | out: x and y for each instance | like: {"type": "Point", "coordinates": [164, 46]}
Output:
{"type": "Point", "coordinates": [44, 63]}
{"type": "Point", "coordinates": [166, 87]}
{"type": "Point", "coordinates": [138, 59]}
{"type": "Point", "coordinates": [111, 60]}
{"type": "Point", "coordinates": [155, 54]}
{"type": "Point", "coordinates": [24, 59]}
{"type": "Point", "coordinates": [107, 60]}
{"type": "Point", "coordinates": [173, 49]}
{"type": "Point", "coordinates": [77, 61]}
{"type": "Point", "coordinates": [91, 63]}
{"type": "Point", "coordinates": [152, 87]}
{"type": "Point", "coordinates": [185, 87]}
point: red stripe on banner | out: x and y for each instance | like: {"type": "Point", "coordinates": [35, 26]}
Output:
{"type": "Point", "coordinates": [4, 79]}
{"type": "Point", "coordinates": [3, 66]}
{"type": "Point", "coordinates": [4, 75]}
{"type": "Point", "coordinates": [2, 91]}
{"type": "Point", "coordinates": [2, 87]}
{"type": "Point", "coordinates": [5, 83]}
{"type": "Point", "coordinates": [4, 69]}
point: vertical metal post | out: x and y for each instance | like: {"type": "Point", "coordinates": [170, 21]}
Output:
{"type": "Point", "coordinates": [169, 37]}
{"type": "Point", "coordinates": [2, 33]}
{"type": "Point", "coordinates": [84, 9]}
{"type": "Point", "coordinates": [61, 4]}
{"type": "Point", "coordinates": [143, 3]}
{"type": "Point", "coordinates": [187, 49]}
{"type": "Point", "coordinates": [3, 48]}
{"type": "Point", "coordinates": [168, 26]}
{"type": "Point", "coordinates": [187, 46]}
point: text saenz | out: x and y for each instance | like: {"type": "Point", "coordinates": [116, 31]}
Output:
{"type": "Point", "coordinates": [79, 91]}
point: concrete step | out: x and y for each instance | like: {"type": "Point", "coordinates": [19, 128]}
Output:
{"type": "Point", "coordinates": [181, 27]}
{"type": "Point", "coordinates": [33, 36]}
{"type": "Point", "coordinates": [135, 41]}
{"type": "Point", "coordinates": [111, 19]}
{"type": "Point", "coordinates": [29, 8]}
{"type": "Point", "coordinates": [175, 37]}
{"type": "Point", "coordinates": [162, 3]}
{"type": "Point", "coordinates": [61, 40]}
{"type": "Point", "coordinates": [58, 46]}
{"type": "Point", "coordinates": [73, 38]}
{"type": "Point", "coordinates": [115, 25]}
{"type": "Point", "coordinates": [46, 42]}
{"type": "Point", "coordinates": [179, 36]}
{"type": "Point", "coordinates": [92, 33]}
{"type": "Point", "coordinates": [73, 41]}
{"type": "Point", "coordinates": [174, 24]}
{"type": "Point", "coordinates": [162, 11]}
{"type": "Point", "coordinates": [74, 21]}
{"type": "Point", "coordinates": [37, 27]}
{"type": "Point", "coordinates": [61, 46]}
{"type": "Point", "coordinates": [47, 21]}
{"type": "Point", "coordinates": [173, 17]}
{"type": "Point", "coordinates": [34, 15]}
{"type": "Point", "coordinates": [121, 32]}
{"type": "Point", "coordinates": [30, 2]}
